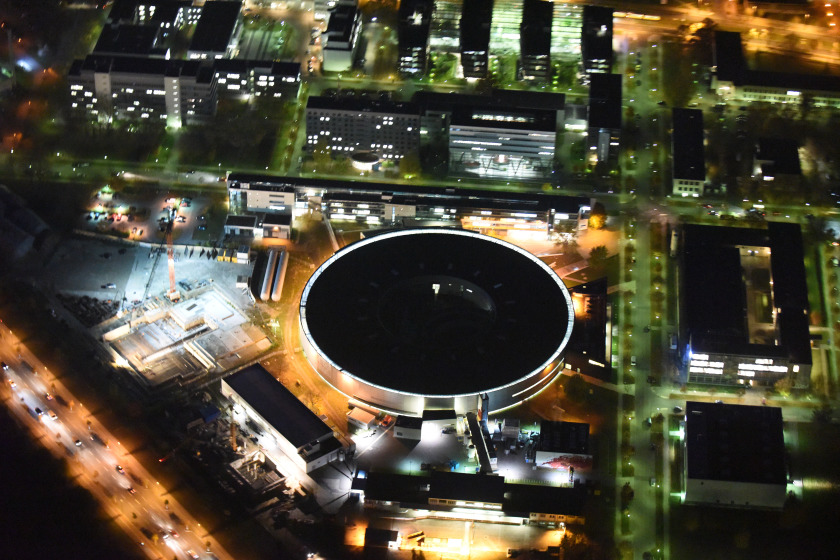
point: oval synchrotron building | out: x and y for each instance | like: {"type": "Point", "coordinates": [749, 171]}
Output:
{"type": "Point", "coordinates": [433, 319]}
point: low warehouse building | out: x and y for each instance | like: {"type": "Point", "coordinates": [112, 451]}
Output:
{"type": "Point", "coordinates": [302, 437]}
{"type": "Point", "coordinates": [734, 455]}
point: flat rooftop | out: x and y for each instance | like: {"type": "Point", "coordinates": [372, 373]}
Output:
{"type": "Point", "coordinates": [605, 101]}
{"type": "Point", "coordinates": [475, 35]}
{"type": "Point", "coordinates": [278, 406]}
{"type": "Point", "coordinates": [215, 26]}
{"type": "Point", "coordinates": [410, 194]}
{"type": "Point", "coordinates": [687, 144]}
{"type": "Point", "coordinates": [714, 299]}
{"type": "Point", "coordinates": [564, 437]}
{"type": "Point", "coordinates": [736, 443]}
{"type": "Point", "coordinates": [467, 487]}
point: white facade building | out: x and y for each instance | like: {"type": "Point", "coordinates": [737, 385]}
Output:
{"type": "Point", "coordinates": [174, 91]}
{"type": "Point", "coordinates": [300, 436]}
{"type": "Point", "coordinates": [341, 38]}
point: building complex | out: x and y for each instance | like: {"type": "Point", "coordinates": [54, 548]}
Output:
{"type": "Point", "coordinates": [131, 75]}
{"type": "Point", "coordinates": [733, 79]}
{"type": "Point", "coordinates": [505, 134]}
{"type": "Point", "coordinates": [753, 327]}
{"type": "Point", "coordinates": [378, 204]}
{"type": "Point", "coordinates": [444, 494]}
{"type": "Point", "coordinates": [349, 125]}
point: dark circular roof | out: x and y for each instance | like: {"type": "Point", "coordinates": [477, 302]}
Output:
{"type": "Point", "coordinates": [436, 312]}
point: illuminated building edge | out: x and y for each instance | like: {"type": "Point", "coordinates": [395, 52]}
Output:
{"type": "Point", "coordinates": [404, 402]}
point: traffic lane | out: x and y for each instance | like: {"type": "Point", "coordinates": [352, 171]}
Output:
{"type": "Point", "coordinates": [100, 486]}
{"type": "Point", "coordinates": [106, 459]}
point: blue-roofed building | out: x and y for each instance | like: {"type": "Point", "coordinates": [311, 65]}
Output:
{"type": "Point", "coordinates": [302, 437]}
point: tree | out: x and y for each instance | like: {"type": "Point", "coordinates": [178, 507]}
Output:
{"type": "Point", "coordinates": [576, 388]}
{"type": "Point", "coordinates": [322, 155]}
{"type": "Point", "coordinates": [410, 165]}
{"type": "Point", "coordinates": [784, 385]}
{"type": "Point", "coordinates": [597, 216]}
{"type": "Point", "coordinates": [598, 256]}
{"type": "Point", "coordinates": [627, 495]}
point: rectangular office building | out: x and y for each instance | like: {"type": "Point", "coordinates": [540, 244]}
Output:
{"type": "Point", "coordinates": [137, 88]}
{"type": "Point", "coordinates": [687, 152]}
{"type": "Point", "coordinates": [346, 126]}
{"type": "Point", "coordinates": [496, 142]}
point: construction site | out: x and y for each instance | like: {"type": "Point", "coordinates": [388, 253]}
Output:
{"type": "Point", "coordinates": [179, 311]}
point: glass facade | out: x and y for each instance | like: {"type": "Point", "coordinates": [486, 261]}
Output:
{"type": "Point", "coordinates": [445, 31]}
{"type": "Point", "coordinates": [565, 31]}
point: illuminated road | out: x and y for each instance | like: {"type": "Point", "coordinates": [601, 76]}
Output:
{"type": "Point", "coordinates": [135, 501]}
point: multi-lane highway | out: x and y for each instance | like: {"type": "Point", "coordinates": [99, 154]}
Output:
{"type": "Point", "coordinates": [138, 503]}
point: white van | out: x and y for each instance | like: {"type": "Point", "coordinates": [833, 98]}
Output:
{"type": "Point", "coordinates": [632, 360]}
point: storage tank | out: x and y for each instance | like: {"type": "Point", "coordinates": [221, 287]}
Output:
{"type": "Point", "coordinates": [268, 277]}
{"type": "Point", "coordinates": [282, 264]}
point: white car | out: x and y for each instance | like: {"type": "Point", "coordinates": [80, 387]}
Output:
{"type": "Point", "coordinates": [52, 415]}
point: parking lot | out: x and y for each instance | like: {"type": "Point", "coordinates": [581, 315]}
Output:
{"type": "Point", "coordinates": [197, 217]}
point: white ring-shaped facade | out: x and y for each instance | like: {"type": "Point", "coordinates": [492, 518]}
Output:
{"type": "Point", "coordinates": [433, 319]}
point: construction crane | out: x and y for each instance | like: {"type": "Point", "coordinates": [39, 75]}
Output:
{"type": "Point", "coordinates": [170, 253]}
